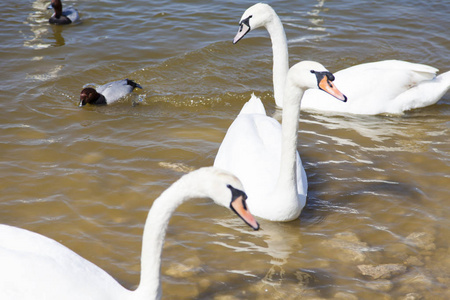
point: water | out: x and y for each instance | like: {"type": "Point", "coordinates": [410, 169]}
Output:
{"type": "Point", "coordinates": [86, 177]}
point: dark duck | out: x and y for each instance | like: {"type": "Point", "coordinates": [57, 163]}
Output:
{"type": "Point", "coordinates": [107, 93]}
{"type": "Point", "coordinates": [62, 16]}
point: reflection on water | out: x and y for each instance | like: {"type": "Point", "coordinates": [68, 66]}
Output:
{"type": "Point", "coordinates": [279, 245]}
{"type": "Point", "coordinates": [376, 221]}
{"type": "Point", "coordinates": [44, 75]}
{"type": "Point", "coordinates": [315, 27]}
{"type": "Point", "coordinates": [57, 34]}
{"type": "Point", "coordinates": [41, 37]}
{"type": "Point", "coordinates": [38, 26]}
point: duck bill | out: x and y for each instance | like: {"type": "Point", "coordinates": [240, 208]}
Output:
{"type": "Point", "coordinates": [327, 86]}
{"type": "Point", "coordinates": [243, 30]}
{"type": "Point", "coordinates": [80, 104]}
{"type": "Point", "coordinates": [239, 207]}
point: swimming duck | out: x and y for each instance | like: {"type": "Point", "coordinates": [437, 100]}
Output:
{"type": "Point", "coordinates": [107, 93]}
{"type": "Point", "coordinates": [62, 16]}
{"type": "Point", "coordinates": [390, 86]}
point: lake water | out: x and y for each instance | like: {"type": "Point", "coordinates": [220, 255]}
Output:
{"type": "Point", "coordinates": [86, 177]}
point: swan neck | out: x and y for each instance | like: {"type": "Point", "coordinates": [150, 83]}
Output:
{"type": "Point", "coordinates": [290, 124]}
{"type": "Point", "coordinates": [153, 239]}
{"type": "Point", "coordinates": [280, 57]}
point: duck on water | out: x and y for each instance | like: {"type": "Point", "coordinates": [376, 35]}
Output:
{"type": "Point", "coordinates": [62, 16]}
{"type": "Point", "coordinates": [107, 93]}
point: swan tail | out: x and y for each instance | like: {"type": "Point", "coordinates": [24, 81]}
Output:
{"type": "Point", "coordinates": [253, 106]}
{"type": "Point", "coordinates": [445, 78]}
{"type": "Point", "coordinates": [424, 94]}
{"type": "Point", "coordinates": [422, 68]}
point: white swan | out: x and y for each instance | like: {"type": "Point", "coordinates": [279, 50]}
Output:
{"type": "Point", "coordinates": [36, 267]}
{"type": "Point", "coordinates": [263, 154]}
{"type": "Point", "coordinates": [390, 86]}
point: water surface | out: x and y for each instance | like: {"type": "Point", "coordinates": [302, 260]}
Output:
{"type": "Point", "coordinates": [86, 177]}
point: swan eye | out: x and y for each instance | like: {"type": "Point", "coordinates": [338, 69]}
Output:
{"type": "Point", "coordinates": [321, 75]}
{"type": "Point", "coordinates": [244, 202]}
{"type": "Point", "coordinates": [330, 76]}
{"type": "Point", "coordinates": [235, 193]}
{"type": "Point", "coordinates": [245, 22]}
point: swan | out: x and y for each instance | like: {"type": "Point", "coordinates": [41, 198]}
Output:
{"type": "Point", "coordinates": [36, 267]}
{"type": "Point", "coordinates": [263, 154]}
{"type": "Point", "coordinates": [107, 93]}
{"type": "Point", "coordinates": [62, 16]}
{"type": "Point", "coordinates": [390, 86]}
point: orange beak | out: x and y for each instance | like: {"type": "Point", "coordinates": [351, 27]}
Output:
{"type": "Point", "coordinates": [239, 207]}
{"type": "Point", "coordinates": [327, 86]}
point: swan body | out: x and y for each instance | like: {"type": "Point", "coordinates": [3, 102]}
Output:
{"type": "Point", "coordinates": [63, 16]}
{"type": "Point", "coordinates": [107, 93]}
{"type": "Point", "coordinates": [36, 267]}
{"type": "Point", "coordinates": [389, 86]}
{"type": "Point", "coordinates": [263, 154]}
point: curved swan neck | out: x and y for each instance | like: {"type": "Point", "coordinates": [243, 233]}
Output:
{"type": "Point", "coordinates": [280, 56]}
{"type": "Point", "coordinates": [290, 123]}
{"type": "Point", "coordinates": [154, 233]}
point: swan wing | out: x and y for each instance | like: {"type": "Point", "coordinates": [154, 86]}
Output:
{"type": "Point", "coordinates": [251, 150]}
{"type": "Point", "coordinates": [426, 93]}
{"type": "Point", "coordinates": [382, 81]}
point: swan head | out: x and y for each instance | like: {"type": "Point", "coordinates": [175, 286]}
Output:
{"type": "Point", "coordinates": [227, 190]}
{"type": "Point", "coordinates": [255, 16]}
{"type": "Point", "coordinates": [313, 75]}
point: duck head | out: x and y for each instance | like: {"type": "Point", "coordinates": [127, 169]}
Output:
{"type": "Point", "coordinates": [90, 95]}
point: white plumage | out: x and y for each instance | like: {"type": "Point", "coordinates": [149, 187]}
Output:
{"type": "Point", "coordinates": [263, 154]}
{"type": "Point", "coordinates": [390, 86]}
{"type": "Point", "coordinates": [34, 267]}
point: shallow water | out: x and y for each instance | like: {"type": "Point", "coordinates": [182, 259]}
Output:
{"type": "Point", "coordinates": [86, 177]}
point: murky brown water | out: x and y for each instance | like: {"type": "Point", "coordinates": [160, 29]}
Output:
{"type": "Point", "coordinates": [378, 185]}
